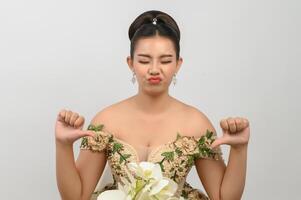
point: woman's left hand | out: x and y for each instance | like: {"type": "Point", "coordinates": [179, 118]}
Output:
{"type": "Point", "coordinates": [236, 132]}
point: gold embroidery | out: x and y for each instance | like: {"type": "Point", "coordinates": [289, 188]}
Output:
{"type": "Point", "coordinates": [175, 158]}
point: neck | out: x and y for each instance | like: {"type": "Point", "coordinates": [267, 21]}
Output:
{"type": "Point", "coordinates": [156, 104]}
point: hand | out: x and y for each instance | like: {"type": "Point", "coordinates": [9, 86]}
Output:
{"type": "Point", "coordinates": [69, 127]}
{"type": "Point", "coordinates": [236, 132]}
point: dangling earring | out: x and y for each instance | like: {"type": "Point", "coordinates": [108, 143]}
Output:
{"type": "Point", "coordinates": [133, 78]}
{"type": "Point", "coordinates": [174, 79]}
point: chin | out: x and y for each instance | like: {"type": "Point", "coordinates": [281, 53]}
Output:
{"type": "Point", "coordinates": [152, 91]}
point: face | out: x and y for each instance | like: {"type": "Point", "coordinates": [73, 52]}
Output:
{"type": "Point", "coordinates": [154, 57]}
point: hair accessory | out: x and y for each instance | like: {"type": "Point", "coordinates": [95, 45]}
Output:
{"type": "Point", "coordinates": [155, 21]}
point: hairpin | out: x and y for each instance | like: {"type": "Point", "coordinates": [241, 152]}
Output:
{"type": "Point", "coordinates": [155, 21]}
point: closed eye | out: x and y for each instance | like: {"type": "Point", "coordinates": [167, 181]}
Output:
{"type": "Point", "coordinates": [166, 62]}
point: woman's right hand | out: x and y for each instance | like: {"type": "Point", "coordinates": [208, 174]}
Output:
{"type": "Point", "coordinates": [68, 127]}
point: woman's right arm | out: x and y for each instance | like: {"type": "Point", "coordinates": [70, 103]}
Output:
{"type": "Point", "coordinates": [76, 180]}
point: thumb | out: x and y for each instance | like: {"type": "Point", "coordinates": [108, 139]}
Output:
{"type": "Point", "coordinates": [85, 133]}
{"type": "Point", "coordinates": [217, 142]}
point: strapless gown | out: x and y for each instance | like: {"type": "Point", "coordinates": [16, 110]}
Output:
{"type": "Point", "coordinates": [175, 158]}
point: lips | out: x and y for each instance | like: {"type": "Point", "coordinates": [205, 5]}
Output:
{"type": "Point", "coordinates": [154, 80]}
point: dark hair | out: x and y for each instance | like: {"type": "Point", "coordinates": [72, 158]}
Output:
{"type": "Point", "coordinates": [143, 26]}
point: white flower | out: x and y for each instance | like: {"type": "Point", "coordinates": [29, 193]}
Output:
{"type": "Point", "coordinates": [146, 170]}
{"type": "Point", "coordinates": [112, 194]}
{"type": "Point", "coordinates": [144, 182]}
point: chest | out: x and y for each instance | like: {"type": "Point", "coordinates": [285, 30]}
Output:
{"type": "Point", "coordinates": [175, 158]}
{"type": "Point", "coordinates": [149, 132]}
{"type": "Point", "coordinates": [144, 135]}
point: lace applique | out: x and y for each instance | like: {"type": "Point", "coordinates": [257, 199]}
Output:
{"type": "Point", "coordinates": [97, 143]}
{"type": "Point", "coordinates": [175, 158]}
{"type": "Point", "coordinates": [118, 157]}
{"type": "Point", "coordinates": [204, 149]}
{"type": "Point", "coordinates": [178, 158]}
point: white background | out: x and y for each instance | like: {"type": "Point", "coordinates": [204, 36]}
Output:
{"type": "Point", "coordinates": [241, 58]}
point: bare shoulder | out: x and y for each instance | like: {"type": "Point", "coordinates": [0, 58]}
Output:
{"type": "Point", "coordinates": [199, 121]}
{"type": "Point", "coordinates": [110, 116]}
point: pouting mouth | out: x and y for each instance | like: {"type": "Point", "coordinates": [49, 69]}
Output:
{"type": "Point", "coordinates": [155, 78]}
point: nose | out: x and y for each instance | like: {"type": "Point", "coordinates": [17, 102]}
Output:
{"type": "Point", "coordinates": [154, 70]}
{"type": "Point", "coordinates": [153, 73]}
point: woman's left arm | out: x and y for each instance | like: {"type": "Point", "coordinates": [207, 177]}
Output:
{"type": "Point", "coordinates": [227, 182]}
{"type": "Point", "coordinates": [235, 174]}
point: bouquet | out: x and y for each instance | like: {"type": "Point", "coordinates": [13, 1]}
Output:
{"type": "Point", "coordinates": [144, 181]}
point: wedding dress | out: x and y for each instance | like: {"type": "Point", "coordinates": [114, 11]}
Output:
{"type": "Point", "coordinates": [175, 158]}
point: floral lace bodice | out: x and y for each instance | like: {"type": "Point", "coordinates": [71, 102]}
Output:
{"type": "Point", "coordinates": [175, 158]}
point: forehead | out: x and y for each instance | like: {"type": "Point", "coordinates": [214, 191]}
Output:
{"type": "Point", "coordinates": [154, 46]}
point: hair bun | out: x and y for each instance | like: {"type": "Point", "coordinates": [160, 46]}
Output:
{"type": "Point", "coordinates": [148, 17]}
{"type": "Point", "coordinates": [151, 23]}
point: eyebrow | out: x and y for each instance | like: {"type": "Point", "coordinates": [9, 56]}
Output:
{"type": "Point", "coordinates": [162, 56]}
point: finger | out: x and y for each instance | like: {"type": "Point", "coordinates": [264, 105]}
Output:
{"type": "Point", "coordinates": [79, 121]}
{"type": "Point", "coordinates": [73, 118]}
{"type": "Point", "coordinates": [68, 116]}
{"type": "Point", "coordinates": [217, 143]}
{"type": "Point", "coordinates": [61, 115]}
{"type": "Point", "coordinates": [231, 123]}
{"type": "Point", "coordinates": [86, 133]}
{"type": "Point", "coordinates": [246, 122]}
{"type": "Point", "coordinates": [224, 124]}
{"type": "Point", "coordinates": [239, 124]}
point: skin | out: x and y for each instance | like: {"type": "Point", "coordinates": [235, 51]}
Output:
{"type": "Point", "coordinates": [151, 114]}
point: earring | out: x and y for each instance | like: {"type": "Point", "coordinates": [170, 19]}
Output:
{"type": "Point", "coordinates": [174, 79]}
{"type": "Point", "coordinates": [133, 78]}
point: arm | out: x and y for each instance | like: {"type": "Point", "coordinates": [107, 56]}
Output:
{"type": "Point", "coordinates": [68, 179]}
{"type": "Point", "coordinates": [224, 182]}
{"type": "Point", "coordinates": [235, 174]}
{"type": "Point", "coordinates": [221, 181]}
{"type": "Point", "coordinates": [90, 167]}
{"type": "Point", "coordinates": [77, 180]}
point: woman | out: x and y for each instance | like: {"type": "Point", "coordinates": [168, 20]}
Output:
{"type": "Point", "coordinates": [152, 126]}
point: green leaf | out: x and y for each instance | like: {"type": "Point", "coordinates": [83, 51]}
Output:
{"type": "Point", "coordinates": [209, 134]}
{"type": "Point", "coordinates": [84, 142]}
{"type": "Point", "coordinates": [168, 155]}
{"type": "Point", "coordinates": [191, 160]}
{"type": "Point", "coordinates": [95, 127]}
{"type": "Point", "coordinates": [117, 147]}
{"type": "Point", "coordinates": [178, 151]}
{"type": "Point", "coordinates": [178, 135]}
{"type": "Point", "coordinates": [201, 140]}
{"type": "Point", "coordinates": [126, 156]}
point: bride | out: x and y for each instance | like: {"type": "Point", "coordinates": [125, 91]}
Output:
{"type": "Point", "coordinates": [151, 126]}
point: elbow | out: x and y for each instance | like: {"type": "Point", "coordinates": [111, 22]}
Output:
{"type": "Point", "coordinates": [73, 198]}
{"type": "Point", "coordinates": [229, 196]}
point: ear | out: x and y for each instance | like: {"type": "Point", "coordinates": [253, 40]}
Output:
{"type": "Point", "coordinates": [130, 62]}
{"type": "Point", "coordinates": [179, 64]}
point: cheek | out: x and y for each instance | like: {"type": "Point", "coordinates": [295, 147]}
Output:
{"type": "Point", "coordinates": [169, 70]}
{"type": "Point", "coordinates": [141, 72]}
